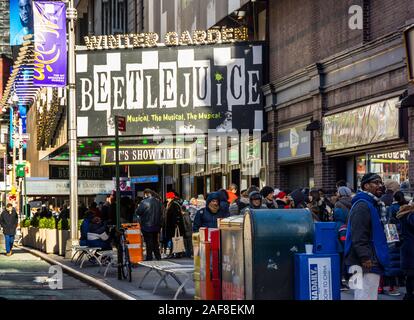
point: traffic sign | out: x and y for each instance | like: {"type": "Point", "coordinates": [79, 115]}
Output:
{"type": "Point", "coordinates": [20, 169]}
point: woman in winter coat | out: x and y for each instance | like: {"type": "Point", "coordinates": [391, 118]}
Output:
{"type": "Point", "coordinates": [393, 274]}
{"type": "Point", "coordinates": [406, 218]}
{"type": "Point", "coordinates": [172, 218]}
{"type": "Point", "coordinates": [340, 216]}
{"type": "Point", "coordinates": [319, 207]}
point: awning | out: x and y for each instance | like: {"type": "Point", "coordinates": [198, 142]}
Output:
{"type": "Point", "coordinates": [20, 82]}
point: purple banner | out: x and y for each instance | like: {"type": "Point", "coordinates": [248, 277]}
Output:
{"type": "Point", "coordinates": [50, 43]}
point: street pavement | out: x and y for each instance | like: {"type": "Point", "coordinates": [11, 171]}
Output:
{"type": "Point", "coordinates": [138, 272]}
{"type": "Point", "coordinates": [24, 276]}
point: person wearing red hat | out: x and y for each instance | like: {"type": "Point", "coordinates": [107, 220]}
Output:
{"type": "Point", "coordinates": [282, 200]}
{"type": "Point", "coordinates": [173, 218]}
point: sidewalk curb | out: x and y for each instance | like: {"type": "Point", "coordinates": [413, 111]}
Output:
{"type": "Point", "coordinates": [90, 280]}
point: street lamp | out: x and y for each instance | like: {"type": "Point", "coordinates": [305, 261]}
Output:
{"type": "Point", "coordinates": [71, 15]}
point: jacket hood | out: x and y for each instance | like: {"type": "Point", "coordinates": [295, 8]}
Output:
{"type": "Point", "coordinates": [297, 196]}
{"type": "Point", "coordinates": [223, 196]}
{"type": "Point", "coordinates": [362, 195]}
{"type": "Point", "coordinates": [212, 196]}
{"type": "Point", "coordinates": [255, 194]}
{"type": "Point", "coordinates": [344, 202]}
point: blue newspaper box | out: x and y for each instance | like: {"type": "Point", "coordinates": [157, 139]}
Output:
{"type": "Point", "coordinates": [317, 277]}
{"type": "Point", "coordinates": [325, 237]}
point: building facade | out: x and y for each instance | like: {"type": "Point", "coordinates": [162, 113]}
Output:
{"type": "Point", "coordinates": [5, 27]}
{"type": "Point", "coordinates": [337, 71]}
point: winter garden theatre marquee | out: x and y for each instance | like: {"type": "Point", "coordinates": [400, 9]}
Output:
{"type": "Point", "coordinates": [177, 90]}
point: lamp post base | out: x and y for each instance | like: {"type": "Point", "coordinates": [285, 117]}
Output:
{"type": "Point", "coordinates": [70, 251]}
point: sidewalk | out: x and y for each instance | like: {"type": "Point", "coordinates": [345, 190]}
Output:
{"type": "Point", "coordinates": [122, 289]}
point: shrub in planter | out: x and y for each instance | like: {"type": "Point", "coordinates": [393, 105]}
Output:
{"type": "Point", "coordinates": [63, 235]}
{"type": "Point", "coordinates": [34, 222]}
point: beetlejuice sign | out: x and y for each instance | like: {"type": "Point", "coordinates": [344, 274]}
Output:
{"type": "Point", "coordinates": [182, 90]}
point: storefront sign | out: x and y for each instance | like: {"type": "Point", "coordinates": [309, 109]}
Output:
{"type": "Point", "coordinates": [366, 125]}
{"type": "Point", "coordinates": [44, 187]}
{"type": "Point", "coordinates": [84, 173]}
{"type": "Point", "coordinates": [50, 43]}
{"type": "Point", "coordinates": [320, 279]}
{"type": "Point", "coordinates": [146, 155]}
{"type": "Point", "coordinates": [294, 143]}
{"type": "Point", "coordinates": [151, 39]}
{"type": "Point", "coordinates": [179, 90]}
{"type": "Point", "coordinates": [145, 179]}
{"type": "Point", "coordinates": [398, 156]}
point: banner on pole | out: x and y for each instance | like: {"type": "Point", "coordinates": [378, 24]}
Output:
{"type": "Point", "coordinates": [50, 43]}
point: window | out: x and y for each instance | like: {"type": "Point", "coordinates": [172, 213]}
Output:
{"type": "Point", "coordinates": [114, 16]}
{"type": "Point", "coordinates": [140, 15]}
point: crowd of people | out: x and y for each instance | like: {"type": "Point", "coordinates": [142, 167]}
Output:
{"type": "Point", "coordinates": [361, 219]}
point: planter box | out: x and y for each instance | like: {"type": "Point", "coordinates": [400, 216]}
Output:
{"type": "Point", "coordinates": [51, 241]}
{"type": "Point", "coordinates": [32, 237]}
{"type": "Point", "coordinates": [63, 236]}
{"type": "Point", "coordinates": [25, 235]}
{"type": "Point", "coordinates": [41, 245]}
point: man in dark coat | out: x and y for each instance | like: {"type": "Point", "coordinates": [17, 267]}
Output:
{"type": "Point", "coordinates": [8, 221]}
{"type": "Point", "coordinates": [391, 187]}
{"type": "Point", "coordinates": [406, 218]}
{"type": "Point", "coordinates": [207, 217]}
{"type": "Point", "coordinates": [366, 248]}
{"type": "Point", "coordinates": [298, 198]}
{"type": "Point", "coordinates": [150, 213]}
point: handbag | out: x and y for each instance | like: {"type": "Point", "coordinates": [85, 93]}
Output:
{"type": "Point", "coordinates": [177, 242]}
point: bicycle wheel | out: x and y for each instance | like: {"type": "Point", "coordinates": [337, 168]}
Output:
{"type": "Point", "coordinates": [126, 265]}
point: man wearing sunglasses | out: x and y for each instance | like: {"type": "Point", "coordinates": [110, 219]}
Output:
{"type": "Point", "coordinates": [366, 249]}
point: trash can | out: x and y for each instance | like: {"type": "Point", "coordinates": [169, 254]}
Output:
{"type": "Point", "coordinates": [317, 277]}
{"type": "Point", "coordinates": [325, 237]}
{"type": "Point", "coordinates": [232, 258]}
{"type": "Point", "coordinates": [271, 239]}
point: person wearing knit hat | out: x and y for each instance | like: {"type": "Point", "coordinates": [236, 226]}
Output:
{"type": "Point", "coordinates": [344, 192]}
{"type": "Point", "coordinates": [366, 243]}
{"type": "Point", "coordinates": [268, 197]}
{"type": "Point", "coordinates": [391, 187]}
